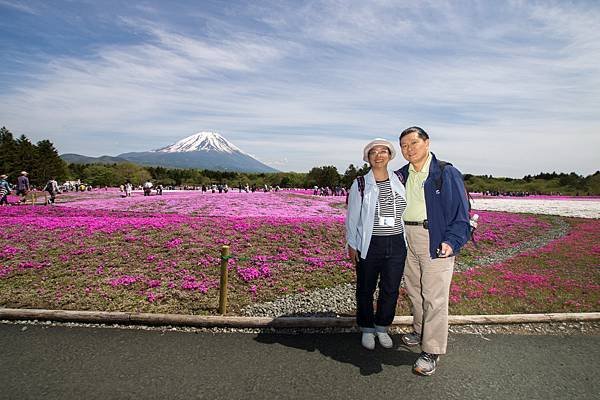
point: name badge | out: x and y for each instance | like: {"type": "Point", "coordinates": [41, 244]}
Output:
{"type": "Point", "coordinates": [387, 221]}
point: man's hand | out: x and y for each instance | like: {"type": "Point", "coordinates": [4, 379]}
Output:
{"type": "Point", "coordinates": [445, 250]}
{"type": "Point", "coordinates": [353, 255]}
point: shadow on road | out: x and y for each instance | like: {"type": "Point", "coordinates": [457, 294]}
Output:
{"type": "Point", "coordinates": [344, 348]}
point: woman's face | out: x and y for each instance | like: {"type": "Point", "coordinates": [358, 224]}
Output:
{"type": "Point", "coordinates": [379, 157]}
{"type": "Point", "coordinates": [414, 149]}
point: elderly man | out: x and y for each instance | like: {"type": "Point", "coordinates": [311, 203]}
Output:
{"type": "Point", "coordinates": [437, 226]}
{"type": "Point", "coordinates": [23, 185]}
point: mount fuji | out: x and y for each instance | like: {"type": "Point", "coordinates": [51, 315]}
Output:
{"type": "Point", "coordinates": [204, 150]}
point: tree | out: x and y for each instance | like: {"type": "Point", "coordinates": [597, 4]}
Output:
{"type": "Point", "coordinates": [48, 163]}
{"type": "Point", "coordinates": [132, 172]}
{"type": "Point", "coordinates": [75, 171]}
{"type": "Point", "coordinates": [364, 169]}
{"type": "Point", "coordinates": [25, 155]}
{"type": "Point", "coordinates": [324, 176]}
{"type": "Point", "coordinates": [100, 175]}
{"type": "Point", "coordinates": [41, 161]}
{"type": "Point", "coordinates": [349, 176]}
{"type": "Point", "coordinates": [7, 151]}
{"type": "Point", "coordinates": [594, 184]}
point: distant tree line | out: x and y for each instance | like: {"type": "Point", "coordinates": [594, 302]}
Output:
{"type": "Point", "coordinates": [543, 183]}
{"type": "Point", "coordinates": [325, 176]}
{"type": "Point", "coordinates": [116, 174]}
{"type": "Point", "coordinates": [42, 162]}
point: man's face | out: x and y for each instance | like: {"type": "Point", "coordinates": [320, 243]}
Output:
{"type": "Point", "coordinates": [414, 149]}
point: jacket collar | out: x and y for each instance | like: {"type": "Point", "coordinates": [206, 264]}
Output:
{"type": "Point", "coordinates": [434, 167]}
{"type": "Point", "coordinates": [370, 177]}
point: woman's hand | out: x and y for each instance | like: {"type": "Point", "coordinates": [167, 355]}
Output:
{"type": "Point", "coordinates": [353, 255]}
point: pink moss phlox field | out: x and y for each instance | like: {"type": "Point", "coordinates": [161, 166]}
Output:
{"type": "Point", "coordinates": [499, 227]}
{"type": "Point", "coordinates": [231, 204]}
{"type": "Point", "coordinates": [536, 197]}
{"type": "Point", "coordinates": [501, 230]}
{"type": "Point", "coordinates": [563, 275]}
{"type": "Point", "coordinates": [156, 255]}
{"type": "Point", "coordinates": [97, 250]}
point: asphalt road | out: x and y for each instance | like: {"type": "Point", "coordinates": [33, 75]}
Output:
{"type": "Point", "coordinates": [59, 362]}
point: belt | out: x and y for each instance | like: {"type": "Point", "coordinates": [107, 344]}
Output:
{"type": "Point", "coordinates": [424, 223]}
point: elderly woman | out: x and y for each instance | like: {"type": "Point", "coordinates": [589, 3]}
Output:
{"type": "Point", "coordinates": [376, 242]}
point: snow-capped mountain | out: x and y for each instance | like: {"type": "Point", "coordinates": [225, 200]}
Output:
{"type": "Point", "coordinates": [202, 141]}
{"type": "Point", "coordinates": [203, 150]}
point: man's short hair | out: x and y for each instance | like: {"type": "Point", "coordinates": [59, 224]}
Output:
{"type": "Point", "coordinates": [420, 131]}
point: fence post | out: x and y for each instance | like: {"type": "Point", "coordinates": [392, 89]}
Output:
{"type": "Point", "coordinates": [223, 288]}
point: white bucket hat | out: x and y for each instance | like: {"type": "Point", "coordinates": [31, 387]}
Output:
{"type": "Point", "coordinates": [379, 142]}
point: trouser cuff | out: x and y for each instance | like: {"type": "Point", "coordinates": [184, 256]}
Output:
{"type": "Point", "coordinates": [433, 350]}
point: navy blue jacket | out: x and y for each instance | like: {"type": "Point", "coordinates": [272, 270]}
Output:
{"type": "Point", "coordinates": [448, 211]}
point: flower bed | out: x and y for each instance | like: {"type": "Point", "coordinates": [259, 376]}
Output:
{"type": "Point", "coordinates": [164, 257]}
{"type": "Point", "coordinates": [563, 276]}
{"type": "Point", "coordinates": [231, 204]}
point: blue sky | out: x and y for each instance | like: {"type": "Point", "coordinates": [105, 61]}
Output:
{"type": "Point", "coordinates": [506, 88]}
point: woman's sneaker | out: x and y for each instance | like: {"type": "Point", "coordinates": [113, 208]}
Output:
{"type": "Point", "coordinates": [411, 339]}
{"type": "Point", "coordinates": [368, 340]}
{"type": "Point", "coordinates": [426, 364]}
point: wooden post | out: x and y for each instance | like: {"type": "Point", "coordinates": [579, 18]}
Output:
{"type": "Point", "coordinates": [223, 289]}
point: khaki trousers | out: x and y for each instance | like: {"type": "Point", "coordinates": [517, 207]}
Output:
{"type": "Point", "coordinates": [428, 287]}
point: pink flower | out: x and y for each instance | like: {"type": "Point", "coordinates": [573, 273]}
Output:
{"type": "Point", "coordinates": [151, 297]}
{"type": "Point", "coordinates": [125, 280]}
{"type": "Point", "coordinates": [154, 283]}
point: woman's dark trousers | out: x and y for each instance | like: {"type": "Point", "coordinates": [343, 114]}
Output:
{"type": "Point", "coordinates": [384, 262]}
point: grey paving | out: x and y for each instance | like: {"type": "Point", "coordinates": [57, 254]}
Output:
{"type": "Point", "coordinates": [58, 362]}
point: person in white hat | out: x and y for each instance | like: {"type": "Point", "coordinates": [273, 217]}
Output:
{"type": "Point", "coordinates": [23, 185]}
{"type": "Point", "coordinates": [376, 242]}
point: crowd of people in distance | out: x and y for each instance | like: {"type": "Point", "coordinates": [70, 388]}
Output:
{"type": "Point", "coordinates": [127, 188]}
{"type": "Point", "coordinates": [327, 191]}
{"type": "Point", "coordinates": [497, 193]}
{"type": "Point", "coordinates": [75, 187]}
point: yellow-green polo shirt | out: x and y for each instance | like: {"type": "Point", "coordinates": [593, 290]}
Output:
{"type": "Point", "coordinates": [415, 195]}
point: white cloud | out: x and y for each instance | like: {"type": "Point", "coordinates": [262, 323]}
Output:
{"type": "Point", "coordinates": [18, 5]}
{"type": "Point", "coordinates": [496, 84]}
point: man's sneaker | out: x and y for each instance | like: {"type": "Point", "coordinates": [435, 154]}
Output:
{"type": "Point", "coordinates": [385, 340]}
{"type": "Point", "coordinates": [411, 339]}
{"type": "Point", "coordinates": [426, 364]}
{"type": "Point", "coordinates": [368, 340]}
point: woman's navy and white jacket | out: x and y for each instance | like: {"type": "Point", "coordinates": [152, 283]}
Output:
{"type": "Point", "coordinates": [361, 211]}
